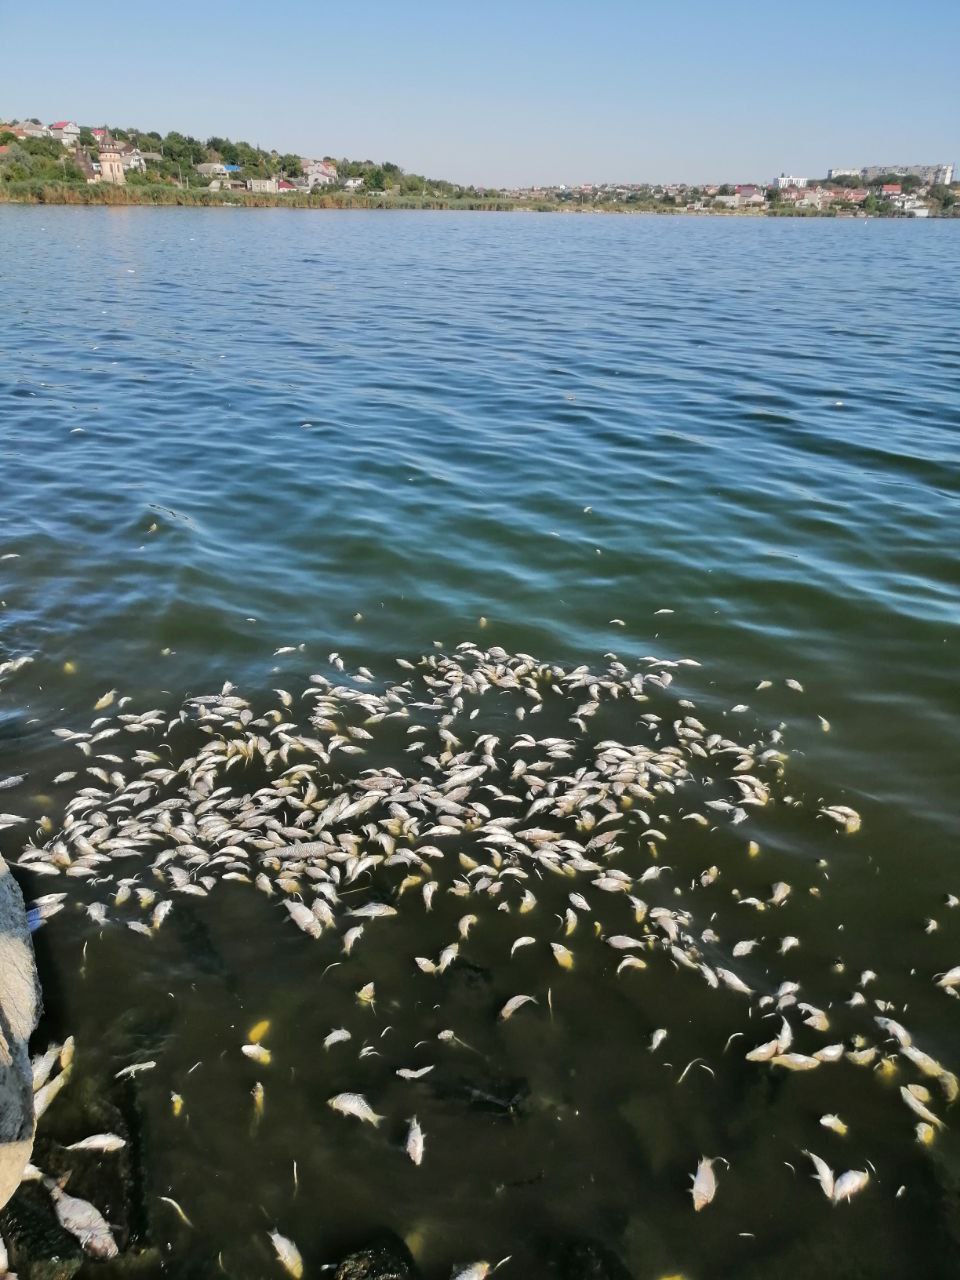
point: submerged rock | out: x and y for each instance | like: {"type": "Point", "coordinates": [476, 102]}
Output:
{"type": "Point", "coordinates": [588, 1260]}
{"type": "Point", "coordinates": [387, 1259]}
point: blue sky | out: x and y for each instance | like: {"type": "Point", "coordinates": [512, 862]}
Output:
{"type": "Point", "coordinates": [502, 92]}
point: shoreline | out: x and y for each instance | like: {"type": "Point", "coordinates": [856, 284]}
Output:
{"type": "Point", "coordinates": [164, 197]}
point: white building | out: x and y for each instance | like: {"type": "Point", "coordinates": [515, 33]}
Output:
{"type": "Point", "coordinates": [132, 159]}
{"type": "Point", "coordinates": [265, 186]}
{"type": "Point", "coordinates": [843, 173]}
{"type": "Point", "coordinates": [317, 173]}
{"type": "Point", "coordinates": [65, 131]}
{"type": "Point", "coordinates": [785, 181]}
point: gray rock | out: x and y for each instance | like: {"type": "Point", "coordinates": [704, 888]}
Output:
{"type": "Point", "coordinates": [387, 1259]}
{"type": "Point", "coordinates": [19, 1010]}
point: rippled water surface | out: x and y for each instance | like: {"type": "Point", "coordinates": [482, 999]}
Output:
{"type": "Point", "coordinates": [223, 433]}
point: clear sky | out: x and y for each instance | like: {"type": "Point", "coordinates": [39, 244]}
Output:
{"type": "Point", "coordinates": [508, 91]}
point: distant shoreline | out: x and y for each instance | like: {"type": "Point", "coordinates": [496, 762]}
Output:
{"type": "Point", "coordinates": [166, 197]}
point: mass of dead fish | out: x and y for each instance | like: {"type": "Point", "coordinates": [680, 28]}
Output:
{"type": "Point", "coordinates": [363, 799]}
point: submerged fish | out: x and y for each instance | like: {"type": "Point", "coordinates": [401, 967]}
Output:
{"type": "Point", "coordinates": [354, 1104]}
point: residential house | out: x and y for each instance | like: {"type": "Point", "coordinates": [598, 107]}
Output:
{"type": "Point", "coordinates": [111, 166]}
{"type": "Point", "coordinates": [317, 173]}
{"type": "Point", "coordinates": [888, 189]}
{"type": "Point", "coordinates": [102, 136]}
{"type": "Point", "coordinates": [353, 184]}
{"type": "Point", "coordinates": [284, 187]}
{"type": "Point", "coordinates": [850, 195]}
{"type": "Point", "coordinates": [211, 170]}
{"type": "Point", "coordinates": [911, 206]}
{"type": "Point", "coordinates": [264, 186]}
{"type": "Point", "coordinates": [27, 129]}
{"type": "Point", "coordinates": [131, 158]}
{"type": "Point", "coordinates": [65, 131]}
{"type": "Point", "coordinates": [814, 198]}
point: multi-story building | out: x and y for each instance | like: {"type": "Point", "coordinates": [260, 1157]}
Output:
{"type": "Point", "coordinates": [65, 131]}
{"type": "Point", "coordinates": [317, 173]}
{"type": "Point", "coordinates": [927, 173]}
{"type": "Point", "coordinates": [784, 181]}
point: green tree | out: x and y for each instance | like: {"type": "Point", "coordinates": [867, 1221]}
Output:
{"type": "Point", "coordinates": [290, 164]}
{"type": "Point", "coordinates": [375, 179]}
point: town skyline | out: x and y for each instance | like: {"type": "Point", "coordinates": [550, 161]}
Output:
{"type": "Point", "coordinates": [940, 170]}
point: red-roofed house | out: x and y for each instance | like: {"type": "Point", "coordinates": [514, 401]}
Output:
{"type": "Point", "coordinates": [283, 186]}
{"type": "Point", "coordinates": [891, 189]}
{"type": "Point", "coordinates": [66, 131]}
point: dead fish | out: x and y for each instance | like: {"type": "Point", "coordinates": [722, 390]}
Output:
{"type": "Point", "coordinates": [257, 1053]}
{"type": "Point", "coordinates": [45, 1095]}
{"type": "Point", "coordinates": [704, 1184]}
{"type": "Point", "coordinates": [288, 1254]}
{"type": "Point", "coordinates": [525, 941]}
{"type": "Point", "coordinates": [824, 1174]}
{"type": "Point", "coordinates": [834, 1123]}
{"type": "Point", "coordinates": [84, 1222]}
{"type": "Point", "coordinates": [415, 1141]}
{"type": "Point", "coordinates": [339, 1036]}
{"type": "Point", "coordinates": [99, 1142]}
{"type": "Point", "coordinates": [134, 1069]}
{"type": "Point", "coordinates": [351, 938]}
{"type": "Point", "coordinates": [795, 1061]}
{"type": "Point", "coordinates": [354, 1104]}
{"type": "Point", "coordinates": [413, 1073]}
{"type": "Point", "coordinates": [918, 1108]}
{"type": "Point", "coordinates": [849, 1184]}
{"type": "Point", "coordinates": [731, 980]}
{"type": "Point", "coordinates": [562, 955]}
{"type": "Point", "coordinates": [303, 918]}
{"type": "Point", "coordinates": [42, 1065]}
{"type": "Point", "coordinates": [513, 1004]}
{"type": "Point", "coordinates": [373, 911]}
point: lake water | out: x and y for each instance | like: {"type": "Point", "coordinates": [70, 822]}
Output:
{"type": "Point", "coordinates": [224, 433]}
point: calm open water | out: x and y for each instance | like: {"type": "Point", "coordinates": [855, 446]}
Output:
{"type": "Point", "coordinates": [548, 422]}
